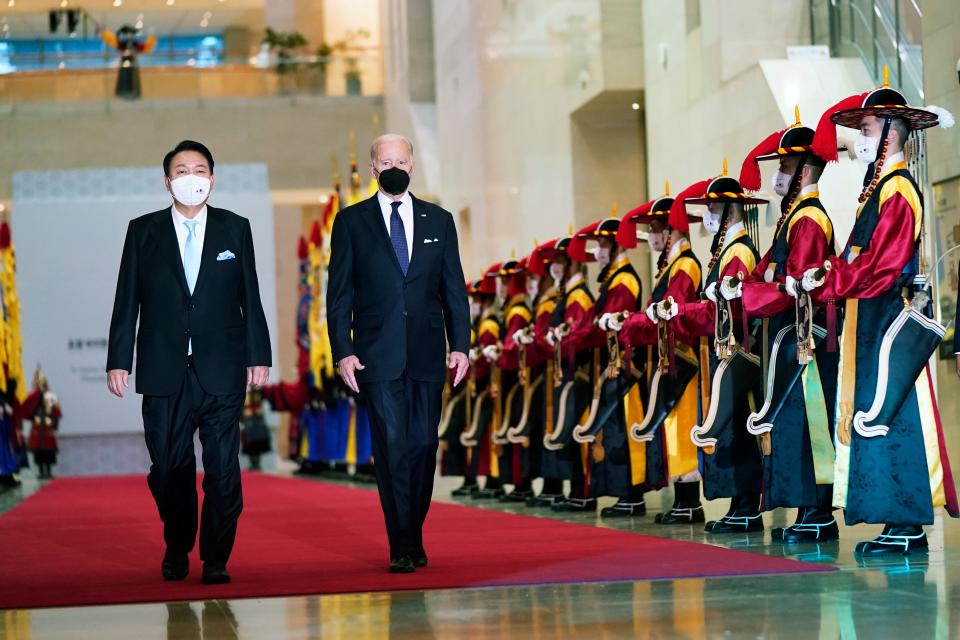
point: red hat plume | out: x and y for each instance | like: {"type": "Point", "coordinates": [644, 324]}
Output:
{"type": "Point", "coordinates": [750, 170]}
{"type": "Point", "coordinates": [825, 138]}
{"type": "Point", "coordinates": [627, 233]}
{"type": "Point", "coordinates": [5, 236]}
{"type": "Point", "coordinates": [316, 236]}
{"type": "Point", "coordinates": [302, 249]}
{"type": "Point", "coordinates": [678, 210]}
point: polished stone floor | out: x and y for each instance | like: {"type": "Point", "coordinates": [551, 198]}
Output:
{"type": "Point", "coordinates": [913, 598]}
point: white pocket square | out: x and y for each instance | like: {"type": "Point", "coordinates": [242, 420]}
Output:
{"type": "Point", "coordinates": [428, 240]}
{"type": "Point", "coordinates": [225, 255]}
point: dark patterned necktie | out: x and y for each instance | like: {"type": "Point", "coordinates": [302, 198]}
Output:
{"type": "Point", "coordinates": [398, 237]}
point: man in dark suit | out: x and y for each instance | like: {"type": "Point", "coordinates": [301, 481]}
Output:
{"type": "Point", "coordinates": [188, 271]}
{"type": "Point", "coordinates": [395, 280]}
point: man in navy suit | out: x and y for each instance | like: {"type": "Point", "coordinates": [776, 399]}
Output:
{"type": "Point", "coordinates": [188, 272]}
{"type": "Point", "coordinates": [395, 299]}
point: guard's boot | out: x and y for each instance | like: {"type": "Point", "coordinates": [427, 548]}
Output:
{"type": "Point", "coordinates": [743, 516]}
{"type": "Point", "coordinates": [686, 505]}
{"type": "Point", "coordinates": [492, 490]}
{"type": "Point", "coordinates": [552, 491]}
{"type": "Point", "coordinates": [776, 534]}
{"type": "Point", "coordinates": [521, 493]}
{"type": "Point", "coordinates": [895, 539]}
{"type": "Point", "coordinates": [627, 507]}
{"type": "Point", "coordinates": [818, 525]}
{"type": "Point", "coordinates": [468, 488]}
{"type": "Point", "coordinates": [575, 505]}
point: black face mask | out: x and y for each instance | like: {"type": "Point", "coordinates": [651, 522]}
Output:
{"type": "Point", "coordinates": [394, 181]}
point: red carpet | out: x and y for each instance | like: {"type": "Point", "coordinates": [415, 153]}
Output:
{"type": "Point", "coordinates": [98, 540]}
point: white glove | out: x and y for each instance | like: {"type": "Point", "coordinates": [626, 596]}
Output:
{"type": "Point", "coordinates": [668, 313]}
{"type": "Point", "coordinates": [551, 338]}
{"type": "Point", "coordinates": [711, 292]}
{"type": "Point", "coordinates": [521, 337]}
{"type": "Point", "coordinates": [474, 354]}
{"type": "Point", "coordinates": [728, 292]}
{"type": "Point", "coordinates": [602, 322]}
{"type": "Point", "coordinates": [612, 323]}
{"type": "Point", "coordinates": [652, 313]}
{"type": "Point", "coordinates": [791, 286]}
{"type": "Point", "coordinates": [491, 352]}
{"type": "Point", "coordinates": [809, 283]}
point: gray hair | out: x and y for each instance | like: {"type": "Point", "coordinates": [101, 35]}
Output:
{"type": "Point", "coordinates": [388, 137]}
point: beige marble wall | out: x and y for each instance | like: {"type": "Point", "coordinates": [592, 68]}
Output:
{"type": "Point", "coordinates": [941, 49]}
{"type": "Point", "coordinates": [510, 78]}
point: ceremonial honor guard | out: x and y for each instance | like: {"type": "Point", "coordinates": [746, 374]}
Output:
{"type": "Point", "coordinates": [564, 457]}
{"type": "Point", "coordinates": [672, 408]}
{"type": "Point", "coordinates": [485, 413]}
{"type": "Point", "coordinates": [514, 399]}
{"type": "Point", "coordinates": [540, 359]}
{"type": "Point", "coordinates": [457, 410]}
{"type": "Point", "coordinates": [891, 461]}
{"type": "Point", "coordinates": [795, 420]}
{"type": "Point", "coordinates": [730, 374]}
{"type": "Point", "coordinates": [618, 463]}
{"type": "Point", "coordinates": [44, 415]}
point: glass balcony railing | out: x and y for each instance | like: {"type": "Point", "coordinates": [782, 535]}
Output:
{"type": "Point", "coordinates": [188, 74]}
{"type": "Point", "coordinates": [880, 32]}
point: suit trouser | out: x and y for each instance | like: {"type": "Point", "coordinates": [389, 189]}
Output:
{"type": "Point", "coordinates": [169, 423]}
{"type": "Point", "coordinates": [404, 416]}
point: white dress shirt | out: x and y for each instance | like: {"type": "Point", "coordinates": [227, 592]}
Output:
{"type": "Point", "coordinates": [406, 215]}
{"type": "Point", "coordinates": [181, 229]}
{"type": "Point", "coordinates": [182, 233]}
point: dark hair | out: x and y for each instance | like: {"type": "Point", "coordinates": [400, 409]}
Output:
{"type": "Point", "coordinates": [187, 145]}
{"type": "Point", "coordinates": [902, 127]}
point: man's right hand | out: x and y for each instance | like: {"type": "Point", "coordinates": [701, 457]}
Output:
{"type": "Point", "coordinates": [117, 381]}
{"type": "Point", "coordinates": [348, 368]}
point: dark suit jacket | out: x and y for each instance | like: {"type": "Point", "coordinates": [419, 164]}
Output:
{"type": "Point", "coordinates": [223, 316]}
{"type": "Point", "coordinates": [398, 322]}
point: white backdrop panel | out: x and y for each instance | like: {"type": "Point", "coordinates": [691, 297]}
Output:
{"type": "Point", "coordinates": [68, 229]}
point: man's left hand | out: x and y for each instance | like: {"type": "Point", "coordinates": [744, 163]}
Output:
{"type": "Point", "coordinates": [257, 376]}
{"type": "Point", "coordinates": [461, 363]}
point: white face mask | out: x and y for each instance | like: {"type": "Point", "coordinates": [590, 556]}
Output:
{"type": "Point", "coordinates": [190, 190]}
{"type": "Point", "coordinates": [656, 242]}
{"type": "Point", "coordinates": [866, 148]}
{"type": "Point", "coordinates": [533, 286]}
{"type": "Point", "coordinates": [602, 254]}
{"type": "Point", "coordinates": [781, 183]}
{"type": "Point", "coordinates": [556, 272]}
{"type": "Point", "coordinates": [711, 221]}
{"type": "Point", "coordinates": [474, 309]}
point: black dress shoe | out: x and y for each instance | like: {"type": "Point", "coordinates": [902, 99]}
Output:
{"type": "Point", "coordinates": [175, 567]}
{"type": "Point", "coordinates": [894, 540]}
{"type": "Point", "coordinates": [420, 561]}
{"type": "Point", "coordinates": [403, 564]}
{"type": "Point", "coordinates": [624, 510]}
{"type": "Point", "coordinates": [215, 573]}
